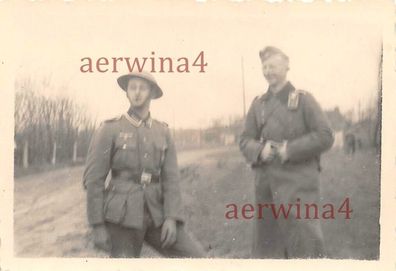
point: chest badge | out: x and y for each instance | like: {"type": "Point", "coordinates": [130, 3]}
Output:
{"type": "Point", "coordinates": [125, 137]}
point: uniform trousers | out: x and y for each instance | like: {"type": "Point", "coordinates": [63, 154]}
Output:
{"type": "Point", "coordinates": [128, 242]}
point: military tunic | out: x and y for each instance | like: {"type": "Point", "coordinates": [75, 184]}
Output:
{"type": "Point", "coordinates": [293, 116]}
{"type": "Point", "coordinates": [127, 147]}
{"type": "Point", "coordinates": [133, 150]}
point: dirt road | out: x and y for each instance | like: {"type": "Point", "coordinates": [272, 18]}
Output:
{"type": "Point", "coordinates": [50, 215]}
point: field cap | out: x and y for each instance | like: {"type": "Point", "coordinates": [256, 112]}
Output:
{"type": "Point", "coordinates": [269, 51]}
{"type": "Point", "coordinates": [124, 79]}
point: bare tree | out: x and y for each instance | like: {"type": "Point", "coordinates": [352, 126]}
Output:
{"type": "Point", "coordinates": [47, 128]}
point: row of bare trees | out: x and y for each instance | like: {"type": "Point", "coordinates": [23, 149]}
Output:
{"type": "Point", "coordinates": [48, 129]}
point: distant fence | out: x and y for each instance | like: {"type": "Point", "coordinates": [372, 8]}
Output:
{"type": "Point", "coordinates": [48, 130]}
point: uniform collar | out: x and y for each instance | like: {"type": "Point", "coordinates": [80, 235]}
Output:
{"type": "Point", "coordinates": [136, 121]}
{"type": "Point", "coordinates": [282, 95]}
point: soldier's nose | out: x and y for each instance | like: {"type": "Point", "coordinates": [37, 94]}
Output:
{"type": "Point", "coordinates": [266, 72]}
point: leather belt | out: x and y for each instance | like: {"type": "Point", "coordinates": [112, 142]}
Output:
{"type": "Point", "coordinates": [135, 177]}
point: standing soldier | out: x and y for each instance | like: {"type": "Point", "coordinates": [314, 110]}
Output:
{"type": "Point", "coordinates": [285, 132]}
{"type": "Point", "coordinates": [142, 201]}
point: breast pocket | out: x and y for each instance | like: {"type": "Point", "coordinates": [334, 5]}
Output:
{"type": "Point", "coordinates": [126, 153]}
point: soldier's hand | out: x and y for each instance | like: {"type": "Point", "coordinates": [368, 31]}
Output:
{"type": "Point", "coordinates": [268, 153]}
{"type": "Point", "coordinates": [168, 233]}
{"type": "Point", "coordinates": [101, 238]}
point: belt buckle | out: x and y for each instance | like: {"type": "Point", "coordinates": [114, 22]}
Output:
{"type": "Point", "coordinates": [145, 179]}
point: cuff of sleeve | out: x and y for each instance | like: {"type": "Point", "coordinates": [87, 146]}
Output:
{"type": "Point", "coordinates": [95, 216]}
{"type": "Point", "coordinates": [97, 225]}
{"type": "Point", "coordinates": [94, 223]}
{"type": "Point", "coordinates": [179, 219]}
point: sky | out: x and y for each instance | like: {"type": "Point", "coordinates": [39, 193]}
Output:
{"type": "Point", "coordinates": [334, 54]}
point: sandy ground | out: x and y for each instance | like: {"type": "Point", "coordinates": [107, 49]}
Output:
{"type": "Point", "coordinates": [50, 215]}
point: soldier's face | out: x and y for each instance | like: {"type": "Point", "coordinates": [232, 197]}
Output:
{"type": "Point", "coordinates": [138, 92]}
{"type": "Point", "coordinates": [275, 69]}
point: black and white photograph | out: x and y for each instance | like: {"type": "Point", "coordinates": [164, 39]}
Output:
{"type": "Point", "coordinates": [198, 130]}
